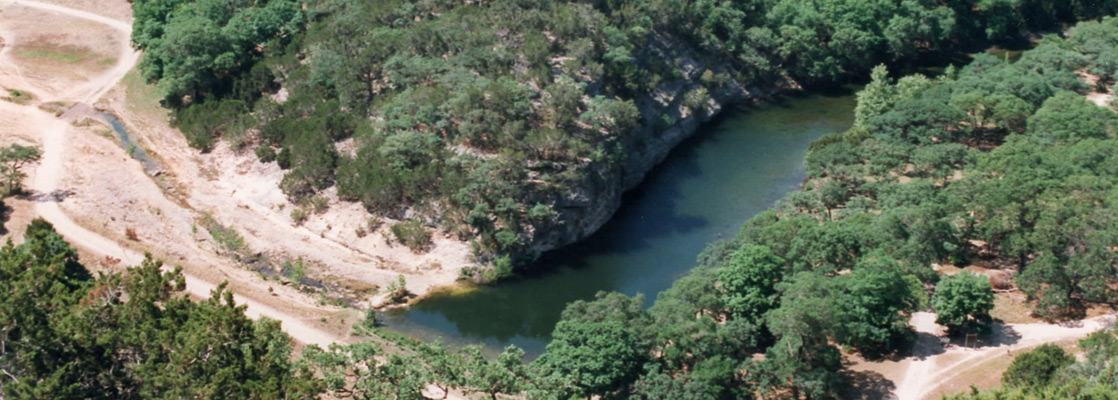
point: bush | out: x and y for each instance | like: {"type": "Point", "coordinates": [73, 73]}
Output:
{"type": "Point", "coordinates": [299, 216]}
{"type": "Point", "coordinates": [413, 235]}
{"type": "Point", "coordinates": [295, 271]}
{"type": "Point", "coordinates": [202, 123]}
{"type": "Point", "coordinates": [398, 290]}
{"type": "Point", "coordinates": [19, 96]}
{"type": "Point", "coordinates": [319, 204]}
{"type": "Point", "coordinates": [266, 153]}
{"type": "Point", "coordinates": [696, 100]}
{"type": "Point", "coordinates": [227, 238]}
{"type": "Point", "coordinates": [1037, 367]}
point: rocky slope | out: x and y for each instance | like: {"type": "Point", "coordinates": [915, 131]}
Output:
{"type": "Point", "coordinates": [585, 210]}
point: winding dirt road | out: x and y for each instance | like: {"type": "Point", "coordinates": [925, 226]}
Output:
{"type": "Point", "coordinates": [51, 168]}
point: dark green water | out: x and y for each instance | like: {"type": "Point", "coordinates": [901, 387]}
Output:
{"type": "Point", "coordinates": [735, 167]}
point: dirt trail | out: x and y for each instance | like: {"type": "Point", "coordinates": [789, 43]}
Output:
{"type": "Point", "coordinates": [93, 89]}
{"type": "Point", "coordinates": [53, 136]}
{"type": "Point", "coordinates": [46, 177]}
{"type": "Point", "coordinates": [54, 133]}
{"type": "Point", "coordinates": [933, 364]}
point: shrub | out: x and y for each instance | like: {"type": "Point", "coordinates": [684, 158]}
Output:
{"type": "Point", "coordinates": [295, 271]}
{"type": "Point", "coordinates": [373, 223]}
{"type": "Point", "coordinates": [19, 96]}
{"type": "Point", "coordinates": [130, 233]}
{"type": "Point", "coordinates": [696, 100]}
{"type": "Point", "coordinates": [398, 290]}
{"type": "Point", "coordinates": [227, 238]}
{"type": "Point", "coordinates": [266, 153]}
{"type": "Point", "coordinates": [202, 123]}
{"type": "Point", "coordinates": [413, 235]}
{"type": "Point", "coordinates": [1037, 367]}
{"type": "Point", "coordinates": [318, 204]}
{"type": "Point", "coordinates": [299, 216]}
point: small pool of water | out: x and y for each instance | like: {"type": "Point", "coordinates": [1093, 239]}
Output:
{"type": "Point", "coordinates": [151, 166]}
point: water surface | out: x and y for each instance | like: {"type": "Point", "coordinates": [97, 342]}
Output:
{"type": "Point", "coordinates": [734, 168]}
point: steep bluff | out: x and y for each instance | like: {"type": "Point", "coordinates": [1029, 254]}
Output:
{"type": "Point", "coordinates": [590, 205]}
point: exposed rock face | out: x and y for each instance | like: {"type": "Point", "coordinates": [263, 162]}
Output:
{"type": "Point", "coordinates": [585, 210]}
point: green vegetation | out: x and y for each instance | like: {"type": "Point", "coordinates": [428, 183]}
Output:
{"type": "Point", "coordinates": [19, 96]}
{"type": "Point", "coordinates": [1049, 373]}
{"type": "Point", "coordinates": [68, 54]}
{"type": "Point", "coordinates": [962, 298]}
{"type": "Point", "coordinates": [68, 335]}
{"type": "Point", "coordinates": [473, 114]}
{"type": "Point", "coordinates": [227, 238]}
{"type": "Point", "coordinates": [398, 289]}
{"type": "Point", "coordinates": [982, 164]}
{"type": "Point", "coordinates": [294, 270]}
{"type": "Point", "coordinates": [1036, 368]}
{"type": "Point", "coordinates": [12, 160]}
{"type": "Point", "coordinates": [489, 107]}
{"type": "Point", "coordinates": [413, 235]}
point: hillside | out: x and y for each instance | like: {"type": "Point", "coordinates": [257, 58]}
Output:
{"type": "Point", "coordinates": [514, 125]}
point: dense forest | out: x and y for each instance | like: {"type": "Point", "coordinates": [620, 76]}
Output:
{"type": "Point", "coordinates": [498, 121]}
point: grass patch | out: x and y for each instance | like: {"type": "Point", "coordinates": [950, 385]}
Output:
{"type": "Point", "coordinates": [46, 50]}
{"type": "Point", "coordinates": [227, 238]}
{"type": "Point", "coordinates": [56, 107]}
{"type": "Point", "coordinates": [142, 97]}
{"type": "Point", "coordinates": [69, 58]}
{"type": "Point", "coordinates": [19, 96]}
{"type": "Point", "coordinates": [1013, 308]}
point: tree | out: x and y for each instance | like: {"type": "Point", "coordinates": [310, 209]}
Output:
{"type": "Point", "coordinates": [363, 371]}
{"type": "Point", "coordinates": [1068, 117]}
{"type": "Point", "coordinates": [802, 360]}
{"type": "Point", "coordinates": [874, 304]}
{"type": "Point", "coordinates": [14, 158]}
{"type": "Point", "coordinates": [962, 297]}
{"type": "Point", "coordinates": [507, 374]}
{"type": "Point", "coordinates": [599, 357]}
{"type": "Point", "coordinates": [65, 335]}
{"type": "Point", "coordinates": [445, 370]}
{"type": "Point", "coordinates": [749, 280]}
{"type": "Point", "coordinates": [1037, 367]}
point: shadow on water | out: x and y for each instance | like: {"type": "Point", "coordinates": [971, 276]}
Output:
{"type": "Point", "coordinates": [736, 166]}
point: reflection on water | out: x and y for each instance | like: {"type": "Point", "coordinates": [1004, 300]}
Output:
{"type": "Point", "coordinates": [734, 168]}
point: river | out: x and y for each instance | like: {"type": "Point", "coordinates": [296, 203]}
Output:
{"type": "Point", "coordinates": [737, 166]}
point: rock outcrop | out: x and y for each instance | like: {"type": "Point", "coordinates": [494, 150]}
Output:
{"type": "Point", "coordinates": [584, 210]}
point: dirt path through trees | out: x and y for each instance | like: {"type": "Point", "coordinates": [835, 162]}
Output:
{"type": "Point", "coordinates": [932, 364]}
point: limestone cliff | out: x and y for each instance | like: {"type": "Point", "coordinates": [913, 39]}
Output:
{"type": "Point", "coordinates": [585, 209]}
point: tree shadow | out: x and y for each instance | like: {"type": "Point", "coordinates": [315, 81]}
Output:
{"type": "Point", "coordinates": [925, 345]}
{"type": "Point", "coordinates": [867, 385]}
{"type": "Point", "coordinates": [916, 344]}
{"type": "Point", "coordinates": [1000, 334]}
{"type": "Point", "coordinates": [54, 196]}
{"type": "Point", "coordinates": [5, 215]}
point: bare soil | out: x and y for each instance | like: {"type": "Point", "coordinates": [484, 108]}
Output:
{"type": "Point", "coordinates": [102, 201]}
{"type": "Point", "coordinates": [937, 364]}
